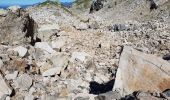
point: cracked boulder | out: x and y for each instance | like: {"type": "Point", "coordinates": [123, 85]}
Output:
{"type": "Point", "coordinates": [17, 27]}
{"type": "Point", "coordinates": [141, 72]}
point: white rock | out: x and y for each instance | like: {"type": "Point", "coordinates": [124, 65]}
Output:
{"type": "Point", "coordinates": [52, 71]}
{"type": "Point", "coordinates": [11, 76]}
{"type": "Point", "coordinates": [79, 56]}
{"type": "Point", "coordinates": [8, 98]}
{"type": "Point", "coordinates": [29, 97]}
{"type": "Point", "coordinates": [140, 71]}
{"type": "Point", "coordinates": [81, 26]}
{"type": "Point", "coordinates": [59, 62]}
{"type": "Point", "coordinates": [4, 88]}
{"type": "Point", "coordinates": [58, 44]}
{"type": "Point", "coordinates": [44, 46]}
{"type": "Point", "coordinates": [48, 27]}
{"type": "Point", "coordinates": [24, 82]}
{"type": "Point", "coordinates": [32, 90]}
{"type": "Point", "coordinates": [1, 63]}
{"type": "Point", "coordinates": [22, 51]}
{"type": "Point", "coordinates": [14, 8]}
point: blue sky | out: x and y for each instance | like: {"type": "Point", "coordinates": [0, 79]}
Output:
{"type": "Point", "coordinates": [24, 2]}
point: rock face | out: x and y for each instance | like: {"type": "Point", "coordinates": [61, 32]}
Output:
{"type": "Point", "coordinates": [4, 89]}
{"type": "Point", "coordinates": [17, 26]}
{"type": "Point", "coordinates": [139, 71]}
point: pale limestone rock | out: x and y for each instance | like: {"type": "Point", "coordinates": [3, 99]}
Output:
{"type": "Point", "coordinates": [22, 51]}
{"type": "Point", "coordinates": [4, 88]}
{"type": "Point", "coordinates": [79, 56]}
{"type": "Point", "coordinates": [24, 82]}
{"type": "Point", "coordinates": [11, 76]}
{"type": "Point", "coordinates": [44, 46]}
{"type": "Point", "coordinates": [1, 63]}
{"type": "Point", "coordinates": [59, 62]}
{"type": "Point", "coordinates": [139, 71]}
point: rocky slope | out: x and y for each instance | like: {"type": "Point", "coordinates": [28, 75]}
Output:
{"type": "Point", "coordinates": [118, 52]}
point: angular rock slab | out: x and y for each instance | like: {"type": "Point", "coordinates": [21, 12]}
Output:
{"type": "Point", "coordinates": [139, 71]}
{"type": "Point", "coordinates": [4, 88]}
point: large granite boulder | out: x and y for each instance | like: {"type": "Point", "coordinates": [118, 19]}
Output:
{"type": "Point", "coordinates": [141, 72]}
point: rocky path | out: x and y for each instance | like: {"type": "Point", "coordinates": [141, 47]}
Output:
{"type": "Point", "coordinates": [48, 54]}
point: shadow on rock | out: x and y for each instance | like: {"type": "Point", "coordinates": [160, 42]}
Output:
{"type": "Point", "coordinates": [96, 88]}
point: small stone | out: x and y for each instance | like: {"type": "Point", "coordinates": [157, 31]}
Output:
{"type": "Point", "coordinates": [112, 95]}
{"type": "Point", "coordinates": [44, 46]}
{"type": "Point", "coordinates": [32, 90]}
{"type": "Point", "coordinates": [29, 97]}
{"type": "Point", "coordinates": [8, 98]}
{"type": "Point", "coordinates": [4, 88]}
{"type": "Point", "coordinates": [24, 82]}
{"type": "Point", "coordinates": [14, 8]}
{"type": "Point", "coordinates": [81, 26]}
{"type": "Point", "coordinates": [79, 56]}
{"type": "Point", "coordinates": [59, 62]}
{"type": "Point", "coordinates": [153, 72]}
{"type": "Point", "coordinates": [22, 51]}
{"type": "Point", "coordinates": [1, 63]}
{"type": "Point", "coordinates": [119, 49]}
{"type": "Point", "coordinates": [52, 71]}
{"type": "Point", "coordinates": [12, 76]}
{"type": "Point", "coordinates": [57, 45]}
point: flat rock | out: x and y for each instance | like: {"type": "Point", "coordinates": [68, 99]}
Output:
{"type": "Point", "coordinates": [21, 51]}
{"type": "Point", "coordinates": [112, 95]}
{"type": "Point", "coordinates": [1, 63]}
{"type": "Point", "coordinates": [140, 71]}
{"type": "Point", "coordinates": [79, 56]}
{"type": "Point", "coordinates": [44, 46]}
{"type": "Point", "coordinates": [11, 76]}
{"type": "Point", "coordinates": [59, 62]}
{"type": "Point", "coordinates": [4, 88]}
{"type": "Point", "coordinates": [24, 82]}
{"type": "Point", "coordinates": [29, 97]}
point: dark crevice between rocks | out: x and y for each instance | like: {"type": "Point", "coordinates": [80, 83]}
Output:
{"type": "Point", "coordinates": [96, 88]}
{"type": "Point", "coordinates": [35, 40]}
{"type": "Point", "coordinates": [152, 5]}
{"type": "Point", "coordinates": [166, 57]}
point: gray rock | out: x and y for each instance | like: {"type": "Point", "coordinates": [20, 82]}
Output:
{"type": "Point", "coordinates": [1, 63]}
{"type": "Point", "coordinates": [81, 56]}
{"type": "Point", "coordinates": [4, 88]}
{"type": "Point", "coordinates": [140, 71]}
{"type": "Point", "coordinates": [120, 27]}
{"type": "Point", "coordinates": [11, 76]}
{"type": "Point", "coordinates": [112, 95]}
{"type": "Point", "coordinates": [14, 8]}
{"type": "Point", "coordinates": [96, 5]}
{"type": "Point", "coordinates": [81, 26]}
{"type": "Point", "coordinates": [59, 62]}
{"type": "Point", "coordinates": [29, 97]}
{"type": "Point", "coordinates": [17, 27]}
{"type": "Point", "coordinates": [167, 93]}
{"type": "Point", "coordinates": [24, 82]}
{"type": "Point", "coordinates": [44, 46]}
{"type": "Point", "coordinates": [3, 12]}
{"type": "Point", "coordinates": [22, 51]}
